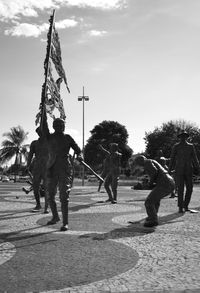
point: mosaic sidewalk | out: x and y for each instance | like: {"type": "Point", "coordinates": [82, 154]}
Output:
{"type": "Point", "coordinates": [106, 249]}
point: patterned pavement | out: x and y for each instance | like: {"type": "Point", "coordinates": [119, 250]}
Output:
{"type": "Point", "coordinates": [107, 249]}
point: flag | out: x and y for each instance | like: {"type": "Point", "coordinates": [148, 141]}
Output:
{"type": "Point", "coordinates": [51, 98]}
{"type": "Point", "coordinates": [56, 56]}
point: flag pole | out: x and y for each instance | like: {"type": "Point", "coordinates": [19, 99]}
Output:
{"type": "Point", "coordinates": [46, 65]}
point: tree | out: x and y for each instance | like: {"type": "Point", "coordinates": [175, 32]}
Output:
{"type": "Point", "coordinates": [105, 133]}
{"type": "Point", "coordinates": [165, 136]}
{"type": "Point", "coordinates": [13, 146]}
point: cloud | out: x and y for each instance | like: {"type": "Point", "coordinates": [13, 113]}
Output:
{"type": "Point", "coordinates": [66, 23]}
{"type": "Point", "coordinates": [101, 4]}
{"type": "Point", "coordinates": [34, 30]}
{"type": "Point", "coordinates": [25, 29]}
{"type": "Point", "coordinates": [95, 33]}
{"type": "Point", "coordinates": [91, 34]}
{"type": "Point", "coordinates": [16, 9]}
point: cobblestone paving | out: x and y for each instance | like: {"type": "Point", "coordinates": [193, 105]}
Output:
{"type": "Point", "coordinates": [107, 245]}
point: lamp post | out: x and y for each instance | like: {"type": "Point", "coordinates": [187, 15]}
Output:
{"type": "Point", "coordinates": [83, 98]}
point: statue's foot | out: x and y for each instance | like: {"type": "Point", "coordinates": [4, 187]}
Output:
{"type": "Point", "coordinates": [150, 224]}
{"type": "Point", "coordinates": [114, 201]}
{"type": "Point", "coordinates": [36, 209]}
{"type": "Point", "coordinates": [53, 221]}
{"type": "Point", "coordinates": [108, 200]}
{"type": "Point", "coordinates": [64, 228]}
{"type": "Point", "coordinates": [25, 190]}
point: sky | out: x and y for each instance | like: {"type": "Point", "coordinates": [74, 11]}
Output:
{"type": "Point", "coordinates": [138, 60]}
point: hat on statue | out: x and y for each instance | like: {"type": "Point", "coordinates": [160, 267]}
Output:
{"type": "Point", "coordinates": [183, 133]}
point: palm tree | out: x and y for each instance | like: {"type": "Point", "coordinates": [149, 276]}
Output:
{"type": "Point", "coordinates": [13, 146]}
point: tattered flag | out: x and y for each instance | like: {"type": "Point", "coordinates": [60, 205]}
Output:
{"type": "Point", "coordinates": [51, 98]}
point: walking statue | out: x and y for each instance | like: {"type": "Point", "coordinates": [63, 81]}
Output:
{"type": "Point", "coordinates": [113, 158]}
{"type": "Point", "coordinates": [104, 172]}
{"type": "Point", "coordinates": [59, 169]}
{"type": "Point", "coordinates": [38, 157]}
{"type": "Point", "coordinates": [183, 160]}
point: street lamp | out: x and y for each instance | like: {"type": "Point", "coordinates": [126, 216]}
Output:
{"type": "Point", "coordinates": [83, 98]}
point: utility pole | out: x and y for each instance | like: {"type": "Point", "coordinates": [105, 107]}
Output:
{"type": "Point", "coordinates": [83, 98]}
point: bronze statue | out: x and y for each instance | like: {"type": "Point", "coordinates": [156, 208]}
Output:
{"type": "Point", "coordinates": [183, 160]}
{"type": "Point", "coordinates": [104, 172]}
{"type": "Point", "coordinates": [164, 163]}
{"type": "Point", "coordinates": [113, 158]}
{"type": "Point", "coordinates": [162, 184]}
{"type": "Point", "coordinates": [38, 151]}
{"type": "Point", "coordinates": [59, 169]}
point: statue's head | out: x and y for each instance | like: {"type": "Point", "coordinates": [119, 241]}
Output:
{"type": "Point", "coordinates": [59, 125]}
{"type": "Point", "coordinates": [139, 160]}
{"type": "Point", "coordinates": [183, 135]}
{"type": "Point", "coordinates": [113, 147]}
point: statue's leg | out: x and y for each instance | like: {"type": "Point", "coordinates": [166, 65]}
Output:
{"type": "Point", "coordinates": [107, 184]}
{"type": "Point", "coordinates": [64, 189]}
{"type": "Point", "coordinates": [36, 187]}
{"type": "Point", "coordinates": [52, 188]}
{"type": "Point", "coordinates": [189, 189]}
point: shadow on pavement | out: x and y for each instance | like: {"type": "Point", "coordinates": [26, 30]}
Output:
{"type": "Point", "coordinates": [20, 234]}
{"type": "Point", "coordinates": [123, 232]}
{"type": "Point", "coordinates": [80, 207]}
{"type": "Point", "coordinates": [83, 192]}
{"type": "Point", "coordinates": [133, 229]}
{"type": "Point", "coordinates": [14, 238]}
{"type": "Point", "coordinates": [135, 200]}
{"type": "Point", "coordinates": [169, 218]}
{"type": "Point", "coordinates": [10, 216]}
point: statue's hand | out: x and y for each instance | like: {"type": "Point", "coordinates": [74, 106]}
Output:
{"type": "Point", "coordinates": [79, 158]}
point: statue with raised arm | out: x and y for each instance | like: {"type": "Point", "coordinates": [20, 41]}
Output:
{"type": "Point", "coordinates": [113, 161]}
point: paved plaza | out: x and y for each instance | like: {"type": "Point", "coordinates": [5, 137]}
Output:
{"type": "Point", "coordinates": [106, 249]}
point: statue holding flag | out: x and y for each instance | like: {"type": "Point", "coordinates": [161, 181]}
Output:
{"type": "Point", "coordinates": [58, 168]}
{"type": "Point", "coordinates": [58, 164]}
